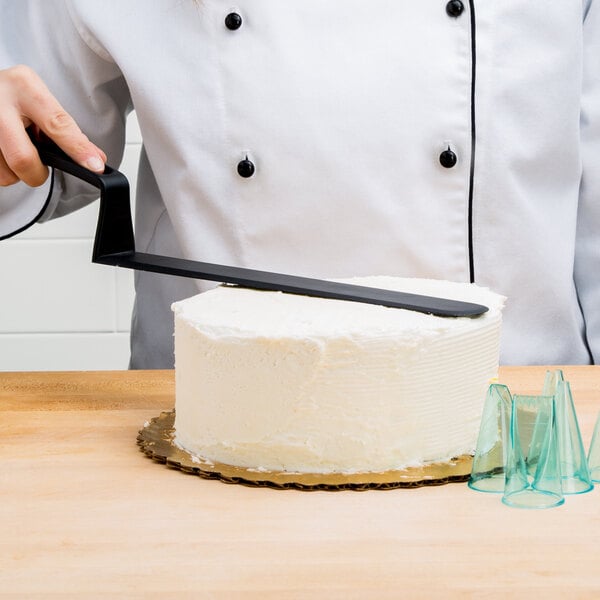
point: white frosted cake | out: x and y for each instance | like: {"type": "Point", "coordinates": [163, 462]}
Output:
{"type": "Point", "coordinates": [279, 382]}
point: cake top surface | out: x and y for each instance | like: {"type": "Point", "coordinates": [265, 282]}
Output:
{"type": "Point", "coordinates": [236, 311]}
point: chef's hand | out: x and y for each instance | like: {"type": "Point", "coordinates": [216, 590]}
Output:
{"type": "Point", "coordinates": [26, 101]}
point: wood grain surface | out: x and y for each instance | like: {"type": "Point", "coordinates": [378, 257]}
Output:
{"type": "Point", "coordinates": [84, 514]}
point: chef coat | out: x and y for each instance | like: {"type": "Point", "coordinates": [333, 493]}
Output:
{"type": "Point", "coordinates": [340, 138]}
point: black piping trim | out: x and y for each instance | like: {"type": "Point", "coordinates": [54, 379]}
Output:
{"type": "Point", "coordinates": [37, 217]}
{"type": "Point", "coordinates": [473, 137]}
{"type": "Point", "coordinates": [584, 333]}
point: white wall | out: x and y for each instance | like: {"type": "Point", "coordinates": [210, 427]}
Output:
{"type": "Point", "coordinates": [58, 311]}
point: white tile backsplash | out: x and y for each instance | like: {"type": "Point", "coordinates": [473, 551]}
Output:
{"type": "Point", "coordinates": [129, 166]}
{"type": "Point", "coordinates": [134, 135]}
{"type": "Point", "coordinates": [124, 298]}
{"type": "Point", "coordinates": [58, 311]}
{"type": "Point", "coordinates": [64, 352]}
{"type": "Point", "coordinates": [55, 288]}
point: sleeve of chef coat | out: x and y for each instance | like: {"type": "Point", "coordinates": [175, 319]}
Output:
{"type": "Point", "coordinates": [587, 255]}
{"type": "Point", "coordinates": [49, 37]}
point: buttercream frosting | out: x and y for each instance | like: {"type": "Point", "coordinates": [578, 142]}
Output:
{"type": "Point", "coordinates": [281, 382]}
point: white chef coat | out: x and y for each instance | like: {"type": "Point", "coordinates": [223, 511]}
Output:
{"type": "Point", "coordinates": [344, 107]}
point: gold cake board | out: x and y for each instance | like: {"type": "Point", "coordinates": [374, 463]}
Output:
{"type": "Point", "coordinates": [156, 440]}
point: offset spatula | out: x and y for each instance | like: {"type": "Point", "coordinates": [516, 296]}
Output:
{"type": "Point", "coordinates": [115, 245]}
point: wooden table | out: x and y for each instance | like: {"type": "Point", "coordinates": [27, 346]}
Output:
{"type": "Point", "coordinates": [83, 513]}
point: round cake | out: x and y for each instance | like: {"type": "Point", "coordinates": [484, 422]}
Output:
{"type": "Point", "coordinates": [279, 382]}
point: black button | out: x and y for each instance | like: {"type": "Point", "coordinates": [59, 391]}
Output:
{"type": "Point", "coordinates": [245, 168]}
{"type": "Point", "coordinates": [233, 21]}
{"type": "Point", "coordinates": [454, 8]}
{"type": "Point", "coordinates": [448, 159]}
